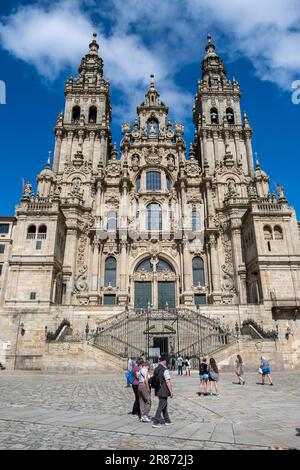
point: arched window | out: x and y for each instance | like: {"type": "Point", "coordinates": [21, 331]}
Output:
{"type": "Point", "coordinates": [138, 184]}
{"type": "Point", "coordinates": [214, 116]}
{"type": "Point", "coordinates": [198, 272]}
{"type": "Point", "coordinates": [93, 114]}
{"type": "Point", "coordinates": [164, 267]}
{"type": "Point", "coordinates": [145, 267]}
{"type": "Point", "coordinates": [112, 221]}
{"type": "Point", "coordinates": [195, 221]}
{"type": "Point", "coordinates": [230, 115]}
{"type": "Point", "coordinates": [31, 232]}
{"type": "Point", "coordinates": [278, 235]}
{"type": "Point", "coordinates": [42, 233]}
{"type": "Point", "coordinates": [110, 272]}
{"type": "Point", "coordinates": [168, 179]}
{"type": "Point", "coordinates": [267, 232]}
{"type": "Point", "coordinates": [153, 181]}
{"type": "Point", "coordinates": [154, 216]}
{"type": "Point", "coordinates": [76, 115]}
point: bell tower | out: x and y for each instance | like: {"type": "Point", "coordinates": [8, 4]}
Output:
{"type": "Point", "coordinates": [217, 116]}
{"type": "Point", "coordinates": [84, 127]}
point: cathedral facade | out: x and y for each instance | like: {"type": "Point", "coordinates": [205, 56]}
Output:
{"type": "Point", "coordinates": [158, 226]}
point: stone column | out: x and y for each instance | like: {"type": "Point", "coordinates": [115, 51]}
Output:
{"type": "Point", "coordinates": [103, 149]}
{"type": "Point", "coordinates": [98, 204]}
{"type": "Point", "coordinates": [249, 153]}
{"type": "Point", "coordinates": [237, 146]}
{"type": "Point", "coordinates": [92, 144]}
{"type": "Point", "coordinates": [69, 147]}
{"type": "Point", "coordinates": [216, 147]}
{"type": "Point", "coordinates": [215, 268]}
{"type": "Point", "coordinates": [237, 261]}
{"type": "Point", "coordinates": [210, 204]}
{"type": "Point", "coordinates": [70, 260]}
{"type": "Point", "coordinates": [57, 151]}
{"type": "Point", "coordinates": [95, 265]}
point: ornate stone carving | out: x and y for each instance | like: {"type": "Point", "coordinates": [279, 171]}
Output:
{"type": "Point", "coordinates": [81, 284]}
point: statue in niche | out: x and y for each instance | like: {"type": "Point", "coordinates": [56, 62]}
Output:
{"type": "Point", "coordinates": [152, 128]}
{"type": "Point", "coordinates": [232, 188]}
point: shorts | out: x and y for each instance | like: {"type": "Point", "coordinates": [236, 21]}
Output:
{"type": "Point", "coordinates": [203, 377]}
{"type": "Point", "coordinates": [266, 371]}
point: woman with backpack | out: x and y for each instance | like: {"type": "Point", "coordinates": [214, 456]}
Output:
{"type": "Point", "coordinates": [213, 376]}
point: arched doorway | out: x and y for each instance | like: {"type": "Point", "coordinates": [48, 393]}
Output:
{"type": "Point", "coordinates": [154, 284]}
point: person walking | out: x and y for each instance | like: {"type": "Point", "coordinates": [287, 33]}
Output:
{"type": "Point", "coordinates": [203, 373]}
{"type": "Point", "coordinates": [180, 364]}
{"type": "Point", "coordinates": [130, 367]}
{"type": "Point", "coordinates": [144, 392]}
{"type": "Point", "coordinates": [265, 370]}
{"type": "Point", "coordinates": [165, 390]}
{"type": "Point", "coordinates": [240, 369]}
{"type": "Point", "coordinates": [187, 366]}
{"type": "Point", "coordinates": [173, 362]}
{"type": "Point", "coordinates": [213, 376]}
{"type": "Point", "coordinates": [135, 387]}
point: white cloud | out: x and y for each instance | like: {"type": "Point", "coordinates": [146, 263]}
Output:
{"type": "Point", "coordinates": [159, 37]}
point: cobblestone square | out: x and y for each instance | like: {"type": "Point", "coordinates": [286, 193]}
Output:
{"type": "Point", "coordinates": [90, 411]}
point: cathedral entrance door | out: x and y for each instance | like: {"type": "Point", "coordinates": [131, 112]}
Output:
{"type": "Point", "coordinates": [162, 344]}
{"type": "Point", "coordinates": [166, 294]}
{"type": "Point", "coordinates": [142, 294]}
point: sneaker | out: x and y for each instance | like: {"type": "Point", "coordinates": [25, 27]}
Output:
{"type": "Point", "coordinates": [145, 419]}
{"type": "Point", "coordinates": [169, 423]}
{"type": "Point", "coordinates": [271, 383]}
{"type": "Point", "coordinates": [156, 425]}
{"type": "Point", "coordinates": [218, 395]}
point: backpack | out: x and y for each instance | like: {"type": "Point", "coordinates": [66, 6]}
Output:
{"type": "Point", "coordinates": [129, 376]}
{"type": "Point", "coordinates": [154, 383]}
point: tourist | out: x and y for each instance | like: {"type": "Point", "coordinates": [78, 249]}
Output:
{"type": "Point", "coordinates": [135, 387]}
{"type": "Point", "coordinates": [240, 369]}
{"type": "Point", "coordinates": [203, 373]}
{"type": "Point", "coordinates": [213, 376]}
{"type": "Point", "coordinates": [187, 366]}
{"type": "Point", "coordinates": [179, 364]}
{"type": "Point", "coordinates": [130, 367]}
{"type": "Point", "coordinates": [144, 392]}
{"type": "Point", "coordinates": [165, 390]}
{"type": "Point", "coordinates": [173, 362]}
{"type": "Point", "coordinates": [264, 370]}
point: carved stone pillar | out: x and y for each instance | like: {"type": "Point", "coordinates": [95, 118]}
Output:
{"type": "Point", "coordinates": [70, 261]}
{"type": "Point", "coordinates": [216, 147]}
{"type": "Point", "coordinates": [188, 296]}
{"type": "Point", "coordinates": [57, 150]}
{"type": "Point", "coordinates": [238, 262]}
{"type": "Point", "coordinates": [92, 144]}
{"type": "Point", "coordinates": [103, 149]}
{"type": "Point", "coordinates": [123, 273]}
{"type": "Point", "coordinates": [249, 154]}
{"type": "Point", "coordinates": [215, 269]}
{"type": "Point", "coordinates": [69, 147]}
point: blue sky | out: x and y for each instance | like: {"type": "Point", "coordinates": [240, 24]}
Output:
{"type": "Point", "coordinates": [42, 42]}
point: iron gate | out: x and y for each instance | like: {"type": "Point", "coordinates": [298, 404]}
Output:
{"type": "Point", "coordinates": [135, 333]}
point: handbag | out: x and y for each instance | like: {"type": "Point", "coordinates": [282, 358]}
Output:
{"type": "Point", "coordinates": [260, 370]}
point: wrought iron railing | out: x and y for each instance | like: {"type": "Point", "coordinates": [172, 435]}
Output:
{"type": "Point", "coordinates": [135, 333]}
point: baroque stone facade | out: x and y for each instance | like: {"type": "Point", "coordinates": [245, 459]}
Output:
{"type": "Point", "coordinates": [152, 227]}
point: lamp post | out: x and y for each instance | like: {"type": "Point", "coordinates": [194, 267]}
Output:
{"type": "Point", "coordinates": [20, 329]}
{"type": "Point", "coordinates": [87, 329]}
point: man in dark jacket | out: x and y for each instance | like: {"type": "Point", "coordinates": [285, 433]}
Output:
{"type": "Point", "coordinates": [165, 390]}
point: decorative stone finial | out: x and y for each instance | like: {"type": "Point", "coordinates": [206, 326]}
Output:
{"type": "Point", "coordinates": [209, 38]}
